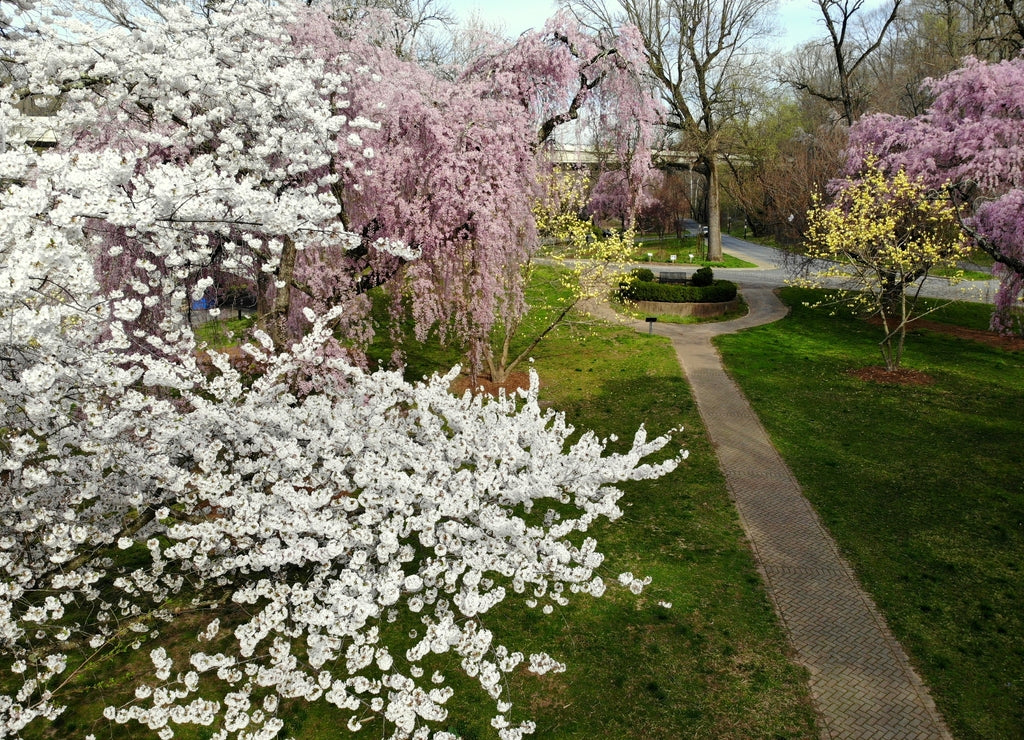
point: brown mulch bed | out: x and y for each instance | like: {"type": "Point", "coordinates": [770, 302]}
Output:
{"type": "Point", "coordinates": [1010, 344]}
{"type": "Point", "coordinates": [482, 385]}
{"type": "Point", "coordinates": [902, 376]}
{"type": "Point", "coordinates": [239, 360]}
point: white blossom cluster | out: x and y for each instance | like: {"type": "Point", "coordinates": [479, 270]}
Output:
{"type": "Point", "coordinates": [342, 542]}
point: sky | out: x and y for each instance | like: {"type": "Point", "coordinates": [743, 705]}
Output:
{"type": "Point", "coordinates": [516, 15]}
{"type": "Point", "coordinates": [797, 19]}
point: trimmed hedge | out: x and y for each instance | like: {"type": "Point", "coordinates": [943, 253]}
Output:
{"type": "Point", "coordinates": [719, 291]}
{"type": "Point", "coordinates": [643, 274]}
{"type": "Point", "coordinates": [703, 277]}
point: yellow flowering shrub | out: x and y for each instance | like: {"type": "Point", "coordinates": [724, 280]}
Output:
{"type": "Point", "coordinates": [593, 259]}
{"type": "Point", "coordinates": [878, 239]}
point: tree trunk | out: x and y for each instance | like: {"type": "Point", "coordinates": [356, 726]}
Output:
{"type": "Point", "coordinates": [894, 314]}
{"type": "Point", "coordinates": [262, 295]}
{"type": "Point", "coordinates": [714, 210]}
{"type": "Point", "coordinates": [498, 368]}
{"type": "Point", "coordinates": [276, 319]}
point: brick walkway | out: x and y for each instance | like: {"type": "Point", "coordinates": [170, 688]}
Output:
{"type": "Point", "coordinates": [860, 679]}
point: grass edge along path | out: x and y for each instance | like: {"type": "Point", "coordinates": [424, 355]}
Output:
{"type": "Point", "coordinates": [861, 680]}
{"type": "Point", "coordinates": [917, 485]}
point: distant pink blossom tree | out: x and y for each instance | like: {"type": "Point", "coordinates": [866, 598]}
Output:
{"type": "Point", "coordinates": [971, 140]}
{"type": "Point", "coordinates": [453, 174]}
{"type": "Point", "coordinates": [612, 103]}
{"type": "Point", "coordinates": [615, 198]}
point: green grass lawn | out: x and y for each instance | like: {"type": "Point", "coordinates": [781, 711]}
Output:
{"type": "Point", "coordinates": [980, 257]}
{"type": "Point", "coordinates": [224, 333]}
{"type": "Point", "coordinates": [958, 313]}
{"type": "Point", "coordinates": [658, 249]}
{"type": "Point", "coordinates": [960, 274]}
{"type": "Point", "coordinates": [715, 665]}
{"type": "Point", "coordinates": [921, 486]}
{"type": "Point", "coordinates": [662, 257]}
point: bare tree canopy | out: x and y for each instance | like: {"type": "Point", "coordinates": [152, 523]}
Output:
{"type": "Point", "coordinates": [830, 69]}
{"type": "Point", "coordinates": [424, 25]}
{"type": "Point", "coordinates": [702, 57]}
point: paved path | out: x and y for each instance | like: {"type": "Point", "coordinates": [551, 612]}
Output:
{"type": "Point", "coordinates": [860, 680]}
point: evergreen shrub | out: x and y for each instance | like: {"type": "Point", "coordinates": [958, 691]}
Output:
{"type": "Point", "coordinates": [702, 277]}
{"type": "Point", "coordinates": [718, 291]}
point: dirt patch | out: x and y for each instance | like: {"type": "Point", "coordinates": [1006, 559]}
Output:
{"type": "Point", "coordinates": [902, 376]}
{"type": "Point", "coordinates": [482, 385]}
{"type": "Point", "coordinates": [235, 355]}
{"type": "Point", "coordinates": [991, 338]}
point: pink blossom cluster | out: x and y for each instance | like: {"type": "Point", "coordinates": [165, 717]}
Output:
{"type": "Point", "coordinates": [482, 136]}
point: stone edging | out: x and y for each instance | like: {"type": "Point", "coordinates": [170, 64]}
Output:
{"type": "Point", "coordinates": [702, 310]}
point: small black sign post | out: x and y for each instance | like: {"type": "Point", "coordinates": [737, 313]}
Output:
{"type": "Point", "coordinates": [650, 324]}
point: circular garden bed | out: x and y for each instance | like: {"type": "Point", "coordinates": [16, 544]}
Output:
{"type": "Point", "coordinates": [701, 296]}
{"type": "Point", "coordinates": [700, 310]}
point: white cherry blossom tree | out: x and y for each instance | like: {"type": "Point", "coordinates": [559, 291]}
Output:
{"type": "Point", "coordinates": [304, 515]}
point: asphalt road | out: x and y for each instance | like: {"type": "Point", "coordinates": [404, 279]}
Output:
{"type": "Point", "coordinates": [774, 271]}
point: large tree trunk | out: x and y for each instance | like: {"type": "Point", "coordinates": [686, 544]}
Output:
{"type": "Point", "coordinates": [275, 322]}
{"type": "Point", "coordinates": [714, 210]}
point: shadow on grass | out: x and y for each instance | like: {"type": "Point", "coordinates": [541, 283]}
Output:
{"type": "Point", "coordinates": [713, 665]}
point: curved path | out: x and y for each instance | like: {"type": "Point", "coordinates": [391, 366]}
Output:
{"type": "Point", "coordinates": [860, 679]}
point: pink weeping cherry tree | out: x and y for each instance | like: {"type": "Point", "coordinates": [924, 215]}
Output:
{"type": "Point", "coordinates": [970, 140]}
{"type": "Point", "coordinates": [458, 160]}
{"type": "Point", "coordinates": [245, 545]}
